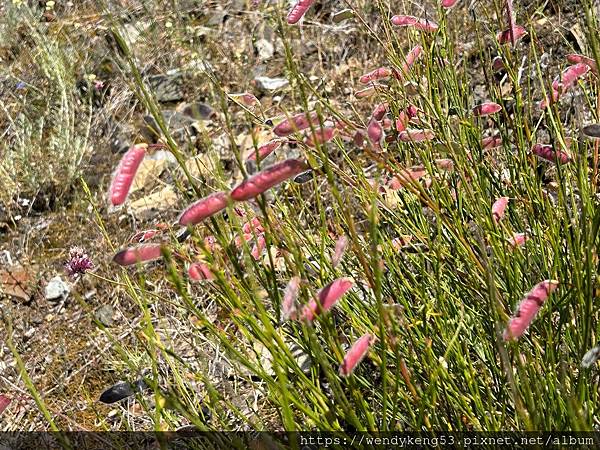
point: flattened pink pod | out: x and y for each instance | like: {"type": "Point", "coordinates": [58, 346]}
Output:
{"type": "Point", "coordinates": [411, 21]}
{"type": "Point", "coordinates": [366, 92]}
{"type": "Point", "coordinates": [296, 123]}
{"type": "Point", "coordinates": [377, 74]}
{"type": "Point", "coordinates": [265, 150]}
{"type": "Point", "coordinates": [340, 248]}
{"type": "Point", "coordinates": [491, 142]}
{"type": "Point", "coordinates": [327, 297]}
{"type": "Point", "coordinates": [499, 207]}
{"type": "Point", "coordinates": [415, 135]}
{"type": "Point", "coordinates": [518, 240]}
{"type": "Point", "coordinates": [569, 77]}
{"type": "Point", "coordinates": [379, 111]}
{"type": "Point", "coordinates": [574, 58]}
{"type": "Point", "coordinates": [298, 11]}
{"type": "Point", "coordinates": [4, 402]}
{"type": "Point", "coordinates": [448, 3]}
{"type": "Point", "coordinates": [402, 121]}
{"type": "Point", "coordinates": [497, 64]}
{"type": "Point", "coordinates": [267, 178]}
{"type": "Point", "coordinates": [289, 306]}
{"type": "Point", "coordinates": [445, 164]}
{"type": "Point", "coordinates": [528, 309]}
{"type": "Point", "coordinates": [245, 98]}
{"type": "Point", "coordinates": [253, 226]}
{"type": "Point", "coordinates": [258, 247]}
{"type": "Point", "coordinates": [504, 37]}
{"type": "Point", "coordinates": [375, 134]}
{"type": "Point", "coordinates": [204, 208]}
{"type": "Point", "coordinates": [143, 236]}
{"type": "Point", "coordinates": [356, 354]}
{"type": "Point", "coordinates": [411, 57]}
{"type": "Point", "coordinates": [125, 173]}
{"type": "Point", "coordinates": [320, 136]}
{"type": "Point", "coordinates": [406, 177]}
{"type": "Point", "coordinates": [199, 272]}
{"type": "Point", "coordinates": [485, 109]}
{"type": "Point", "coordinates": [548, 153]}
{"type": "Point", "coordinates": [139, 254]}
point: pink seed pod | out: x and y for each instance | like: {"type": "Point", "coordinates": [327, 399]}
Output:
{"type": "Point", "coordinates": [253, 226]}
{"type": "Point", "coordinates": [402, 121]}
{"type": "Point", "coordinates": [444, 164]}
{"type": "Point", "coordinates": [320, 136]}
{"type": "Point", "coordinates": [377, 74]}
{"type": "Point", "coordinates": [296, 123]}
{"type": "Point", "coordinates": [203, 208]}
{"type": "Point", "coordinates": [143, 236]}
{"type": "Point", "coordinates": [415, 135]}
{"type": "Point", "coordinates": [245, 98]}
{"type": "Point", "coordinates": [406, 176]}
{"type": "Point", "coordinates": [548, 153]}
{"type": "Point", "coordinates": [289, 306]}
{"type": "Point", "coordinates": [491, 142]}
{"type": "Point", "coordinates": [411, 57]}
{"type": "Point", "coordinates": [356, 354]}
{"type": "Point", "coordinates": [258, 247]}
{"type": "Point", "coordinates": [340, 248]}
{"type": "Point", "coordinates": [499, 207]}
{"type": "Point", "coordinates": [139, 254]}
{"type": "Point", "coordinates": [518, 240]}
{"type": "Point", "coordinates": [574, 58]}
{"type": "Point", "coordinates": [327, 298]}
{"type": "Point", "coordinates": [239, 240]}
{"type": "Point", "coordinates": [504, 37]}
{"type": "Point", "coordinates": [4, 402]}
{"type": "Point", "coordinates": [569, 77]}
{"type": "Point", "coordinates": [125, 173]}
{"type": "Point", "coordinates": [359, 138]}
{"type": "Point", "coordinates": [375, 134]}
{"type": "Point", "coordinates": [448, 3]}
{"type": "Point", "coordinates": [199, 272]}
{"type": "Point", "coordinates": [411, 21]}
{"type": "Point", "coordinates": [528, 309]}
{"type": "Point", "coordinates": [366, 92]}
{"type": "Point", "coordinates": [267, 178]}
{"type": "Point", "coordinates": [265, 150]}
{"type": "Point", "coordinates": [298, 11]}
{"type": "Point", "coordinates": [379, 111]}
{"type": "Point", "coordinates": [486, 109]}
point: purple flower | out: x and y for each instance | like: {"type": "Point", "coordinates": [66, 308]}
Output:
{"type": "Point", "coordinates": [79, 262]}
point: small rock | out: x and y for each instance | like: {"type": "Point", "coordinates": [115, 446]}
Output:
{"type": "Point", "coordinates": [104, 315]}
{"type": "Point", "coordinates": [592, 130]}
{"type": "Point", "coordinates": [57, 289]}
{"type": "Point", "coordinates": [117, 392]}
{"type": "Point", "coordinates": [264, 49]}
{"type": "Point", "coordinates": [167, 87]}
{"type": "Point", "coordinates": [268, 85]}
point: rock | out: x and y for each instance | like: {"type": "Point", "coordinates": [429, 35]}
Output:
{"type": "Point", "coordinates": [268, 85]}
{"type": "Point", "coordinates": [264, 49]}
{"type": "Point", "coordinates": [181, 127]}
{"type": "Point", "coordinates": [199, 111]}
{"type": "Point", "coordinates": [56, 289]}
{"type": "Point", "coordinates": [104, 315]}
{"type": "Point", "coordinates": [117, 392]}
{"type": "Point", "coordinates": [167, 87]}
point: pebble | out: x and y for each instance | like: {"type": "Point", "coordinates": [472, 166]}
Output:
{"type": "Point", "coordinates": [57, 289]}
{"type": "Point", "coordinates": [104, 315]}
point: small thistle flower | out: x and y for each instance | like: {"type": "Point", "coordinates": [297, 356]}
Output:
{"type": "Point", "coordinates": [79, 262]}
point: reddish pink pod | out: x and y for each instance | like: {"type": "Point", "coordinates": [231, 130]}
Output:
{"type": "Point", "coordinates": [125, 173]}
{"type": "Point", "coordinates": [298, 11]}
{"type": "Point", "coordinates": [548, 153]}
{"type": "Point", "coordinates": [411, 57]}
{"type": "Point", "coordinates": [379, 111]}
{"type": "Point", "coordinates": [406, 176]}
{"type": "Point", "coordinates": [518, 240]}
{"type": "Point", "coordinates": [402, 121]}
{"type": "Point", "coordinates": [375, 134]}
{"type": "Point", "coordinates": [499, 207]}
{"type": "Point", "coordinates": [411, 21]}
{"type": "Point", "coordinates": [327, 298]}
{"type": "Point", "coordinates": [497, 64]}
{"type": "Point", "coordinates": [289, 306]}
{"type": "Point", "coordinates": [448, 3]}
{"type": "Point", "coordinates": [200, 271]}
{"type": "Point", "coordinates": [486, 109]}
{"type": "Point", "coordinates": [504, 37]}
{"type": "Point", "coordinates": [4, 402]}
{"type": "Point", "coordinates": [296, 123]}
{"type": "Point", "coordinates": [356, 354]}
{"type": "Point", "coordinates": [267, 178]}
{"type": "Point", "coordinates": [415, 135]}
{"type": "Point", "coordinates": [258, 247]}
{"type": "Point", "coordinates": [340, 248]}
{"type": "Point", "coordinates": [204, 208]}
{"type": "Point", "coordinates": [366, 92]}
{"type": "Point", "coordinates": [528, 309]}
{"type": "Point", "coordinates": [574, 58]}
{"type": "Point", "coordinates": [320, 136]}
{"type": "Point", "coordinates": [265, 150]}
{"type": "Point", "coordinates": [569, 77]}
{"type": "Point", "coordinates": [491, 142]}
{"type": "Point", "coordinates": [139, 254]}
{"type": "Point", "coordinates": [377, 74]}
{"type": "Point", "coordinates": [253, 226]}
{"type": "Point", "coordinates": [143, 236]}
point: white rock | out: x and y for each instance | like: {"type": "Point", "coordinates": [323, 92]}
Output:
{"type": "Point", "coordinates": [267, 84]}
{"type": "Point", "coordinates": [264, 49]}
{"type": "Point", "coordinates": [56, 289]}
